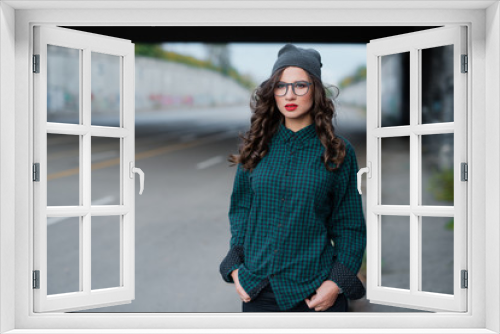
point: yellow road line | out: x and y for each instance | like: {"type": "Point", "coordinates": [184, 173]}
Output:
{"type": "Point", "coordinates": [64, 173]}
{"type": "Point", "coordinates": [139, 156]}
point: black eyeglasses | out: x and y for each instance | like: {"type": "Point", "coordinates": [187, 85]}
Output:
{"type": "Point", "coordinates": [299, 88]}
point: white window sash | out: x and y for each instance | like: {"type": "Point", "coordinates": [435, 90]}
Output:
{"type": "Point", "coordinates": [85, 298]}
{"type": "Point", "coordinates": [414, 297]}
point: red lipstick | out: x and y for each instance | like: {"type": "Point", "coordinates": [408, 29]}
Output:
{"type": "Point", "coordinates": [290, 107]}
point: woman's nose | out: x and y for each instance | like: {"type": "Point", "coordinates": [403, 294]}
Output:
{"type": "Point", "coordinates": [289, 93]}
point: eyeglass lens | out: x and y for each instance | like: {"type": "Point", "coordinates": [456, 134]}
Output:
{"type": "Point", "coordinates": [299, 88]}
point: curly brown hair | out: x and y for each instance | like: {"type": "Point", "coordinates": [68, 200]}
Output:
{"type": "Point", "coordinates": [266, 118]}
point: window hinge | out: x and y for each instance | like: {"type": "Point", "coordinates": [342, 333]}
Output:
{"type": "Point", "coordinates": [465, 64]}
{"type": "Point", "coordinates": [465, 279]}
{"type": "Point", "coordinates": [36, 63]}
{"type": "Point", "coordinates": [465, 171]}
{"type": "Point", "coordinates": [36, 172]}
{"type": "Point", "coordinates": [36, 279]}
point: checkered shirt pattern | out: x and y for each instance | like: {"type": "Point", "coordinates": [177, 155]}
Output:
{"type": "Point", "coordinates": [294, 224]}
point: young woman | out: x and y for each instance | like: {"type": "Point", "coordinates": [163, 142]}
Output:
{"type": "Point", "coordinates": [297, 228]}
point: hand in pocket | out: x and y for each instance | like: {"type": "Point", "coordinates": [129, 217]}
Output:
{"type": "Point", "coordinates": [325, 296]}
{"type": "Point", "coordinates": [239, 289]}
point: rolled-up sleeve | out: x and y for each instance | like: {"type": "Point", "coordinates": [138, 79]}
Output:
{"type": "Point", "coordinates": [348, 229]}
{"type": "Point", "coordinates": [239, 210]}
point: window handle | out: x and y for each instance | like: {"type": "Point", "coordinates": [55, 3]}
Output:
{"type": "Point", "coordinates": [368, 171]}
{"type": "Point", "coordinates": [141, 175]}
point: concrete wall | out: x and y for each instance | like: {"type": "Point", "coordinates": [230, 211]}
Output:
{"type": "Point", "coordinates": [354, 95]}
{"type": "Point", "coordinates": [159, 84]}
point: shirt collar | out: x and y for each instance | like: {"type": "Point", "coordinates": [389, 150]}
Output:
{"type": "Point", "coordinates": [285, 134]}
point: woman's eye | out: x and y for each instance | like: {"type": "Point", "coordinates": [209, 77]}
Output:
{"type": "Point", "coordinates": [281, 85]}
{"type": "Point", "coordinates": [300, 85]}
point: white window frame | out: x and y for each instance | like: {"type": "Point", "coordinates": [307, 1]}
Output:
{"type": "Point", "coordinates": [123, 134]}
{"type": "Point", "coordinates": [16, 213]}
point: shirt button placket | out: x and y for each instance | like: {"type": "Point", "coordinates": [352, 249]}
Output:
{"type": "Point", "coordinates": [285, 197]}
{"type": "Point", "coordinates": [276, 231]}
{"type": "Point", "coordinates": [285, 194]}
{"type": "Point", "coordinates": [292, 161]}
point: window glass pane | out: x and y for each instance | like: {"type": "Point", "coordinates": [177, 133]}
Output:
{"type": "Point", "coordinates": [437, 169]}
{"type": "Point", "coordinates": [437, 84]}
{"type": "Point", "coordinates": [105, 171]}
{"type": "Point", "coordinates": [63, 170]}
{"type": "Point", "coordinates": [63, 255]}
{"type": "Point", "coordinates": [395, 169]}
{"type": "Point", "coordinates": [395, 263]}
{"type": "Point", "coordinates": [395, 89]}
{"type": "Point", "coordinates": [437, 254]}
{"type": "Point", "coordinates": [105, 252]}
{"type": "Point", "coordinates": [63, 84]}
{"type": "Point", "coordinates": [105, 84]}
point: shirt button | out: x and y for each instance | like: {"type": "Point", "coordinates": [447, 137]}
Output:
{"type": "Point", "coordinates": [279, 225]}
{"type": "Point", "coordinates": [283, 199]}
{"type": "Point", "coordinates": [275, 251]}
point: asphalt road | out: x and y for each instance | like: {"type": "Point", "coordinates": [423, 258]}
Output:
{"type": "Point", "coordinates": [182, 229]}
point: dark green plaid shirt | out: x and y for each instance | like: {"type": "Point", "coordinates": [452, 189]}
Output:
{"type": "Point", "coordinates": [284, 216]}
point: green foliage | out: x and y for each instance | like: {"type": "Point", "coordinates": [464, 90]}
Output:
{"type": "Point", "coordinates": [363, 264]}
{"type": "Point", "coordinates": [243, 80]}
{"type": "Point", "coordinates": [358, 75]}
{"type": "Point", "coordinates": [149, 50]}
{"type": "Point", "coordinates": [450, 225]}
{"type": "Point", "coordinates": [156, 51]}
{"type": "Point", "coordinates": [441, 185]}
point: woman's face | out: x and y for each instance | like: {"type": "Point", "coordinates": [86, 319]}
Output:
{"type": "Point", "coordinates": [294, 107]}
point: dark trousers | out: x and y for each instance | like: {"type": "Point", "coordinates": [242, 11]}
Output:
{"type": "Point", "coordinates": [266, 302]}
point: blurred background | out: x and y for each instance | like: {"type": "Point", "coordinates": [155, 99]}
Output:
{"type": "Point", "coordinates": [192, 102]}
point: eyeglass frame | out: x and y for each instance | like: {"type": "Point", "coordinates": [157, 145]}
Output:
{"type": "Point", "coordinates": [293, 84]}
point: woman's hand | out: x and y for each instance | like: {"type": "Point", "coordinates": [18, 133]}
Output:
{"type": "Point", "coordinates": [325, 296]}
{"type": "Point", "coordinates": [239, 289]}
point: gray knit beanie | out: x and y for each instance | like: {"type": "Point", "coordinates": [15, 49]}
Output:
{"type": "Point", "coordinates": [306, 59]}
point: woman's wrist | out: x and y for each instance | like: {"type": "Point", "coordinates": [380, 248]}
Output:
{"type": "Point", "coordinates": [234, 275]}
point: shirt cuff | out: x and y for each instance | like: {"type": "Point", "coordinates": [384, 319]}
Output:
{"type": "Point", "coordinates": [348, 282]}
{"type": "Point", "coordinates": [231, 262]}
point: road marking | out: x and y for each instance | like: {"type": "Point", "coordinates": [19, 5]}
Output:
{"type": "Point", "coordinates": [105, 155]}
{"type": "Point", "coordinates": [144, 155]}
{"type": "Point", "coordinates": [74, 171]}
{"type": "Point", "coordinates": [100, 201]}
{"type": "Point", "coordinates": [187, 138]}
{"type": "Point", "coordinates": [104, 200]}
{"type": "Point", "coordinates": [210, 162]}
{"type": "Point", "coordinates": [74, 152]}
{"type": "Point", "coordinates": [54, 220]}
{"type": "Point", "coordinates": [64, 173]}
